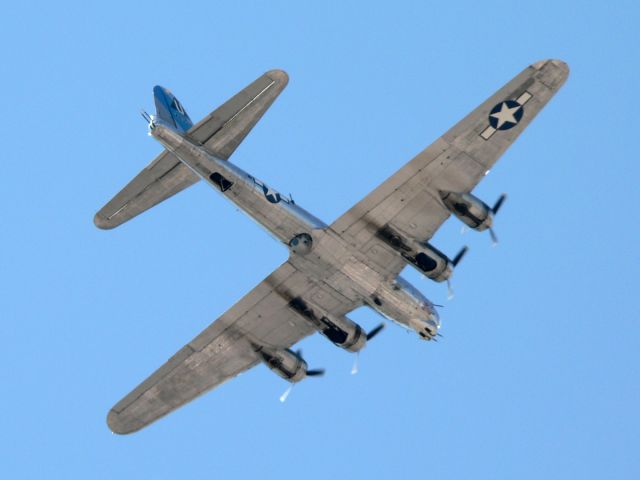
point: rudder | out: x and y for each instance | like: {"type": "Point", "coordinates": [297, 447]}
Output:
{"type": "Point", "coordinates": [170, 110]}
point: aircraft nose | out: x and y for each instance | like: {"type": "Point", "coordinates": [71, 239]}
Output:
{"type": "Point", "coordinates": [433, 313]}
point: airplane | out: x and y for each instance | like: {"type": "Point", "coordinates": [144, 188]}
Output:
{"type": "Point", "coordinates": [332, 269]}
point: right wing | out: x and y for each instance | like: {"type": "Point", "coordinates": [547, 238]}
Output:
{"type": "Point", "coordinates": [220, 132]}
{"type": "Point", "coordinates": [408, 202]}
{"type": "Point", "coordinates": [223, 349]}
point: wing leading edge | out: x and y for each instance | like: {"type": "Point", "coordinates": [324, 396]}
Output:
{"type": "Point", "coordinates": [221, 132]}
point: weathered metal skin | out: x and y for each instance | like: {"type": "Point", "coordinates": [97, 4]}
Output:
{"type": "Point", "coordinates": [284, 362]}
{"type": "Point", "coordinates": [402, 303]}
{"type": "Point", "coordinates": [301, 244]}
{"type": "Point", "coordinates": [340, 330]}
{"type": "Point", "coordinates": [424, 257]}
{"type": "Point", "coordinates": [331, 270]}
{"type": "Point", "coordinates": [278, 215]}
{"type": "Point", "coordinates": [468, 209]}
{"type": "Point", "coordinates": [399, 301]}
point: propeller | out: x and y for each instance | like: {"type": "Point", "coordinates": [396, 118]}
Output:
{"type": "Point", "coordinates": [375, 331]}
{"type": "Point", "coordinates": [370, 335]}
{"type": "Point", "coordinates": [494, 210]}
{"type": "Point", "coordinates": [456, 260]}
{"type": "Point", "coordinates": [356, 364]}
{"type": "Point", "coordinates": [317, 372]}
{"type": "Point", "coordinates": [494, 237]}
{"type": "Point", "coordinates": [499, 203]}
{"type": "Point", "coordinates": [286, 393]}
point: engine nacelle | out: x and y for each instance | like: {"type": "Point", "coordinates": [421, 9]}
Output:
{"type": "Point", "coordinates": [472, 211]}
{"type": "Point", "coordinates": [432, 262]}
{"type": "Point", "coordinates": [284, 362]}
{"type": "Point", "coordinates": [426, 258]}
{"type": "Point", "coordinates": [342, 331]}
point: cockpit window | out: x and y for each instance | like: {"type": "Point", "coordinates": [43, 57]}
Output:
{"type": "Point", "coordinates": [411, 290]}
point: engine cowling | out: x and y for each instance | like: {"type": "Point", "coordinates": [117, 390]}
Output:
{"type": "Point", "coordinates": [284, 362]}
{"type": "Point", "coordinates": [426, 258]}
{"type": "Point", "coordinates": [340, 330]}
{"type": "Point", "coordinates": [469, 209]}
{"type": "Point", "coordinates": [432, 262]}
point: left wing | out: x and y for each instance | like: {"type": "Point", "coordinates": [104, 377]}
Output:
{"type": "Point", "coordinates": [408, 202]}
{"type": "Point", "coordinates": [223, 349]}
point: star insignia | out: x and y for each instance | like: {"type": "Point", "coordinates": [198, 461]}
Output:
{"type": "Point", "coordinates": [505, 115]}
{"type": "Point", "coordinates": [270, 194]}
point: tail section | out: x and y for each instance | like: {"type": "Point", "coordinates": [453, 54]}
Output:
{"type": "Point", "coordinates": [170, 110]}
{"type": "Point", "coordinates": [220, 132]}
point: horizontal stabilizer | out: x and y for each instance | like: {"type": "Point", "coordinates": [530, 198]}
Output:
{"type": "Point", "coordinates": [161, 179]}
{"type": "Point", "coordinates": [224, 129]}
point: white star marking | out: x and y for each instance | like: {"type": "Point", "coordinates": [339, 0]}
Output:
{"type": "Point", "coordinates": [506, 114]}
{"type": "Point", "coordinates": [271, 192]}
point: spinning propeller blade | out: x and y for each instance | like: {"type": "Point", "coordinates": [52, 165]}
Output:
{"type": "Point", "coordinates": [456, 260]}
{"type": "Point", "coordinates": [356, 364]}
{"type": "Point", "coordinates": [370, 335]}
{"type": "Point", "coordinates": [450, 293]}
{"type": "Point", "coordinates": [499, 203]}
{"type": "Point", "coordinates": [494, 210]}
{"type": "Point", "coordinates": [494, 237]}
{"type": "Point", "coordinates": [317, 372]}
{"type": "Point", "coordinates": [286, 393]}
{"type": "Point", "coordinates": [375, 331]}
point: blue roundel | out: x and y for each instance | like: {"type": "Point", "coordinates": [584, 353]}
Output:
{"type": "Point", "coordinates": [271, 195]}
{"type": "Point", "coordinates": [506, 115]}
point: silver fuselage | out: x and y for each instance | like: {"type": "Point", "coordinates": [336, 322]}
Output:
{"type": "Point", "coordinates": [331, 260]}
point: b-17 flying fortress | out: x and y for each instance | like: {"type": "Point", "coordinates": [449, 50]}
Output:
{"type": "Point", "coordinates": [332, 269]}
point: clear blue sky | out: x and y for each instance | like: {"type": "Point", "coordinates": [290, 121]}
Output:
{"type": "Point", "coordinates": [538, 373]}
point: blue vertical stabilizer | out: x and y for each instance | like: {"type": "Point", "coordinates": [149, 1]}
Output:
{"type": "Point", "coordinates": [170, 110]}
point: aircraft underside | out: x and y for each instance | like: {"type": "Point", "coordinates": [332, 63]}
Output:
{"type": "Point", "coordinates": [332, 269]}
{"type": "Point", "coordinates": [314, 249]}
